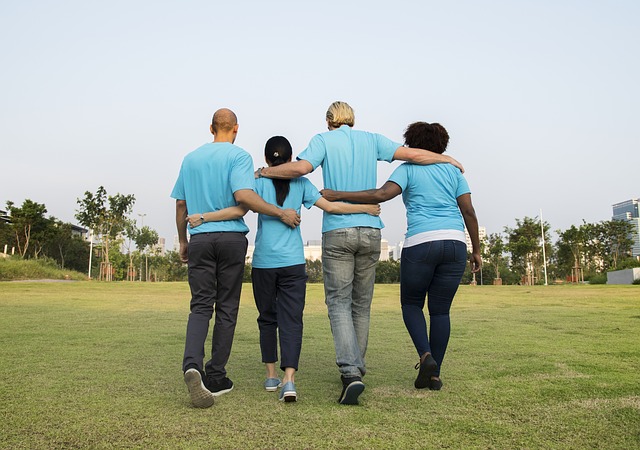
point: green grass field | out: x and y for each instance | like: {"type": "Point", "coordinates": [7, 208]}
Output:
{"type": "Point", "coordinates": [97, 365]}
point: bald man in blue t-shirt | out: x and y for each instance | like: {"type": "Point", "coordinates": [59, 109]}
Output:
{"type": "Point", "coordinates": [213, 177]}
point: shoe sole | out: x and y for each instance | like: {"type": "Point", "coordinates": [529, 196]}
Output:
{"type": "Point", "coordinates": [201, 397]}
{"type": "Point", "coordinates": [222, 392]}
{"type": "Point", "coordinates": [423, 379]}
{"type": "Point", "coordinates": [351, 393]}
{"type": "Point", "coordinates": [289, 397]}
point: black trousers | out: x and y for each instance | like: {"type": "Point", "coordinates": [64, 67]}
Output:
{"type": "Point", "coordinates": [280, 295]}
{"type": "Point", "coordinates": [216, 266]}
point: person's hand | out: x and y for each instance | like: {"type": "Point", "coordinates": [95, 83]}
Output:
{"type": "Point", "coordinates": [184, 252]}
{"type": "Point", "coordinates": [476, 262]}
{"type": "Point", "coordinates": [195, 220]}
{"type": "Point", "coordinates": [373, 210]}
{"type": "Point", "coordinates": [455, 163]}
{"type": "Point", "coordinates": [329, 194]}
{"type": "Point", "coordinates": [290, 217]}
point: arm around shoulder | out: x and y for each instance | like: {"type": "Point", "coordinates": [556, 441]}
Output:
{"type": "Point", "coordinates": [424, 157]}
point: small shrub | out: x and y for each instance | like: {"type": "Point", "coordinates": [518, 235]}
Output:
{"type": "Point", "coordinates": [600, 278]}
{"type": "Point", "coordinates": [636, 281]}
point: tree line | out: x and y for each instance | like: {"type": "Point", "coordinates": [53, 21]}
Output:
{"type": "Point", "coordinates": [514, 256]}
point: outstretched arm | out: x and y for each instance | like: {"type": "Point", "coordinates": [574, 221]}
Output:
{"type": "Point", "coordinates": [250, 200]}
{"type": "Point", "coordinates": [293, 169]}
{"type": "Point", "coordinates": [347, 208]}
{"type": "Point", "coordinates": [388, 191]}
{"type": "Point", "coordinates": [181, 225]}
{"type": "Point", "coordinates": [230, 213]}
{"type": "Point", "coordinates": [424, 157]}
{"type": "Point", "coordinates": [471, 222]}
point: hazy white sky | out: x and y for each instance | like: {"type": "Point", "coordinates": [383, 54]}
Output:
{"type": "Point", "coordinates": [540, 98]}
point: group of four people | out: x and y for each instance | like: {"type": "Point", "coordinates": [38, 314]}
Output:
{"type": "Point", "coordinates": [215, 189]}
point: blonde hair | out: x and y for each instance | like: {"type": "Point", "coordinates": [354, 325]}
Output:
{"type": "Point", "coordinates": [340, 113]}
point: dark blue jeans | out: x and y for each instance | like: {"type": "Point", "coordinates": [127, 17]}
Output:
{"type": "Point", "coordinates": [216, 266]}
{"type": "Point", "coordinates": [280, 295]}
{"type": "Point", "coordinates": [431, 270]}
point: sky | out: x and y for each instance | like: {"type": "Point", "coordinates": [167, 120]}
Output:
{"type": "Point", "coordinates": [540, 98]}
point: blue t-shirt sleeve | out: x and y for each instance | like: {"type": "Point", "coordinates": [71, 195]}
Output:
{"type": "Point", "coordinates": [463, 186]}
{"type": "Point", "coordinates": [178, 188]}
{"type": "Point", "coordinates": [400, 176]}
{"type": "Point", "coordinates": [310, 194]}
{"type": "Point", "coordinates": [315, 151]}
{"type": "Point", "coordinates": [242, 173]}
{"type": "Point", "coordinates": [386, 148]}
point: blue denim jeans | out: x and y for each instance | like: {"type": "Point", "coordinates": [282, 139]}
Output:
{"type": "Point", "coordinates": [349, 257]}
{"type": "Point", "coordinates": [433, 270]}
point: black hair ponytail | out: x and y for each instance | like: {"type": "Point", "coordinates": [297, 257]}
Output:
{"type": "Point", "coordinates": [278, 151]}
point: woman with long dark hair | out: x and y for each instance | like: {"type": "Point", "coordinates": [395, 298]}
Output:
{"type": "Point", "coordinates": [278, 267]}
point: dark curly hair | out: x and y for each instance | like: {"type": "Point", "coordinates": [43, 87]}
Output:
{"type": "Point", "coordinates": [428, 136]}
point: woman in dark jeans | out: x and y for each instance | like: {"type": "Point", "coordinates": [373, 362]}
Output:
{"type": "Point", "coordinates": [438, 203]}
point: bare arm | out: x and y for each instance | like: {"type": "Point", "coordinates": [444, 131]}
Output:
{"type": "Point", "coordinates": [347, 208]}
{"type": "Point", "coordinates": [424, 157]}
{"type": "Point", "coordinates": [250, 200]}
{"type": "Point", "coordinates": [471, 222]}
{"type": "Point", "coordinates": [388, 191]}
{"type": "Point", "coordinates": [181, 225]}
{"type": "Point", "coordinates": [230, 213]}
{"type": "Point", "coordinates": [286, 171]}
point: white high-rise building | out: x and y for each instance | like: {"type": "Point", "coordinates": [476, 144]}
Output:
{"type": "Point", "coordinates": [629, 211]}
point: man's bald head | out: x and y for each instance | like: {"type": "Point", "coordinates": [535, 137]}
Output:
{"type": "Point", "coordinates": [223, 121]}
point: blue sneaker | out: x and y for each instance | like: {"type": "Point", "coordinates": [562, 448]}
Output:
{"type": "Point", "coordinates": [288, 392]}
{"type": "Point", "coordinates": [272, 384]}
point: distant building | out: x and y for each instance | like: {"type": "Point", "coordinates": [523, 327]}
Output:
{"type": "Point", "coordinates": [482, 234]}
{"type": "Point", "coordinates": [629, 211]}
{"type": "Point", "coordinates": [159, 248]}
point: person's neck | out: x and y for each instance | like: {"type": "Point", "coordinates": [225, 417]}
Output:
{"type": "Point", "coordinates": [224, 137]}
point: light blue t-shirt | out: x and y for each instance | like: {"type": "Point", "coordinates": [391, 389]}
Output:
{"type": "Point", "coordinates": [278, 245]}
{"type": "Point", "coordinates": [208, 178]}
{"type": "Point", "coordinates": [430, 196]}
{"type": "Point", "coordinates": [349, 163]}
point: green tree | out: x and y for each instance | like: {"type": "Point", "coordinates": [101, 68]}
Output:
{"type": "Point", "coordinates": [145, 238]}
{"type": "Point", "coordinates": [314, 271]}
{"type": "Point", "coordinates": [30, 226]}
{"type": "Point", "coordinates": [388, 272]}
{"type": "Point", "coordinates": [68, 250]}
{"type": "Point", "coordinates": [493, 253]}
{"type": "Point", "coordinates": [524, 245]}
{"type": "Point", "coordinates": [106, 215]}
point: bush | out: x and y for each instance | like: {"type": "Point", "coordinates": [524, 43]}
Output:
{"type": "Point", "coordinates": [636, 281]}
{"type": "Point", "coordinates": [599, 278]}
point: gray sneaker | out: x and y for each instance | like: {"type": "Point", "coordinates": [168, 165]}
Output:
{"type": "Point", "coordinates": [200, 395]}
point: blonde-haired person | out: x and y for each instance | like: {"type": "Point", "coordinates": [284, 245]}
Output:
{"type": "Point", "coordinates": [340, 113]}
{"type": "Point", "coordinates": [278, 274]}
{"type": "Point", "coordinates": [350, 243]}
